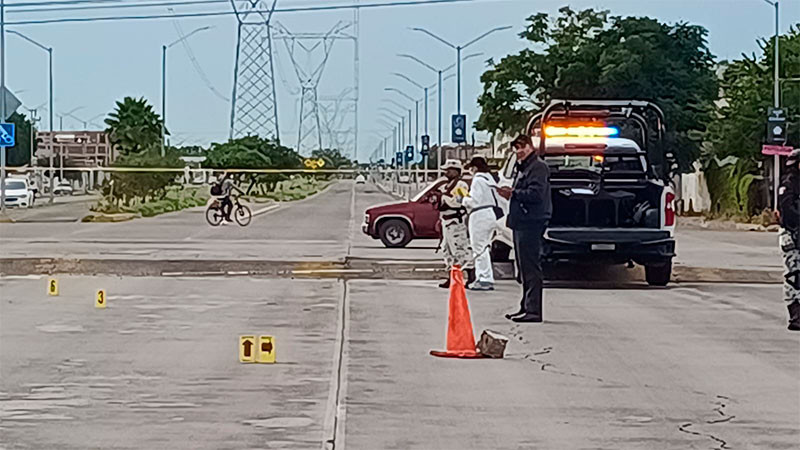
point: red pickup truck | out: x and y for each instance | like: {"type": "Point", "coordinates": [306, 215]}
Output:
{"type": "Point", "coordinates": [397, 224]}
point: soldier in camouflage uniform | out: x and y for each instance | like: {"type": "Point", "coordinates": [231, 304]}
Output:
{"type": "Point", "coordinates": [455, 239]}
{"type": "Point", "coordinates": [789, 209]}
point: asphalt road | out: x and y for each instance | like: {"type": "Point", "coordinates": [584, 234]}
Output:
{"type": "Point", "coordinates": [693, 366]}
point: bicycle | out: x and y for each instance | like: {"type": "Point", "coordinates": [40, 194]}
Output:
{"type": "Point", "coordinates": [241, 213]}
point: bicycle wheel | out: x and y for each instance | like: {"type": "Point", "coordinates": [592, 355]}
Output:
{"type": "Point", "coordinates": [243, 215]}
{"type": "Point", "coordinates": [213, 216]}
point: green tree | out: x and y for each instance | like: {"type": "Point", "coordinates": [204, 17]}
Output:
{"type": "Point", "coordinates": [20, 154]}
{"type": "Point", "coordinates": [592, 55]}
{"type": "Point", "coordinates": [747, 90]}
{"type": "Point", "coordinates": [127, 187]}
{"type": "Point", "coordinates": [134, 126]}
{"type": "Point", "coordinates": [252, 152]}
{"type": "Point", "coordinates": [333, 158]}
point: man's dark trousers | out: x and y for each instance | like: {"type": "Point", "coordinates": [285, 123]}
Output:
{"type": "Point", "coordinates": [528, 251]}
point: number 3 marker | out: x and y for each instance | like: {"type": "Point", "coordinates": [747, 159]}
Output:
{"type": "Point", "coordinates": [100, 301]}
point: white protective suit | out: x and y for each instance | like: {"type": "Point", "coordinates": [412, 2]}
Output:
{"type": "Point", "coordinates": [482, 222]}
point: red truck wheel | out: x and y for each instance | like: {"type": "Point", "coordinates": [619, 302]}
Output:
{"type": "Point", "coordinates": [394, 233]}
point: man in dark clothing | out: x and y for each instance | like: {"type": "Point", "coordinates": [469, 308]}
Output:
{"type": "Point", "coordinates": [789, 209]}
{"type": "Point", "coordinates": [530, 210]}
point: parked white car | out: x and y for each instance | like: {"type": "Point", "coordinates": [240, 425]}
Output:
{"type": "Point", "coordinates": [63, 188]}
{"type": "Point", "coordinates": [18, 193]}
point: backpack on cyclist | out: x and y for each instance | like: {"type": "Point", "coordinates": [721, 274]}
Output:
{"type": "Point", "coordinates": [216, 189]}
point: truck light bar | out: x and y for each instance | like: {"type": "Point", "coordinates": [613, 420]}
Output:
{"type": "Point", "coordinates": [580, 131]}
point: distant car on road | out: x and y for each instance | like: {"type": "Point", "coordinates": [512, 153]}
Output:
{"type": "Point", "coordinates": [360, 179]}
{"type": "Point", "coordinates": [18, 193]}
{"type": "Point", "coordinates": [63, 188]}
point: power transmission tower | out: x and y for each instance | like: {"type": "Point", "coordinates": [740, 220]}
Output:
{"type": "Point", "coordinates": [334, 113]}
{"type": "Point", "coordinates": [254, 107]}
{"type": "Point", "coordinates": [309, 135]}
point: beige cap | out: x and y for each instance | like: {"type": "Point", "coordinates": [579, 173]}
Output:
{"type": "Point", "coordinates": [452, 164]}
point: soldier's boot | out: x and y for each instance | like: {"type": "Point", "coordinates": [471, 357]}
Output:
{"type": "Point", "coordinates": [445, 284]}
{"type": "Point", "coordinates": [470, 276]}
{"type": "Point", "coordinates": [794, 316]}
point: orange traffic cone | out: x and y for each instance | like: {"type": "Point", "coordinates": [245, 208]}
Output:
{"type": "Point", "coordinates": [460, 340]}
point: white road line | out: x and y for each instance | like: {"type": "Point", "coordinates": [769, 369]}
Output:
{"type": "Point", "coordinates": [267, 209]}
{"type": "Point", "coordinates": [333, 425]}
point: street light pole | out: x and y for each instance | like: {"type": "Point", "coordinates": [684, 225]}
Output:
{"type": "Point", "coordinates": [49, 51]}
{"type": "Point", "coordinates": [164, 84]}
{"type": "Point", "coordinates": [2, 102]}
{"type": "Point", "coordinates": [458, 49]}
{"type": "Point", "coordinates": [777, 97]}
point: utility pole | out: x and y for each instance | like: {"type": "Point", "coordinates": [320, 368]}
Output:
{"type": "Point", "coordinates": [2, 102]}
{"type": "Point", "coordinates": [777, 97]}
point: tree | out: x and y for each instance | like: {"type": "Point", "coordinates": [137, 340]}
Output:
{"type": "Point", "coordinates": [134, 126]}
{"type": "Point", "coordinates": [747, 90]}
{"type": "Point", "coordinates": [253, 152]}
{"type": "Point", "coordinates": [333, 158]}
{"type": "Point", "coordinates": [592, 55]}
{"type": "Point", "coordinates": [20, 154]}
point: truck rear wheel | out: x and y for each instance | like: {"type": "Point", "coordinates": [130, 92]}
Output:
{"type": "Point", "coordinates": [658, 274]}
{"type": "Point", "coordinates": [394, 233]}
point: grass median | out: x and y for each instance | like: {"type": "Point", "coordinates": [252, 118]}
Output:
{"type": "Point", "coordinates": [178, 198]}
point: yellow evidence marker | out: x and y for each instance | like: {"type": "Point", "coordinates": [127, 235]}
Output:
{"type": "Point", "coordinates": [247, 349]}
{"type": "Point", "coordinates": [52, 287]}
{"type": "Point", "coordinates": [100, 301]}
{"type": "Point", "coordinates": [266, 350]}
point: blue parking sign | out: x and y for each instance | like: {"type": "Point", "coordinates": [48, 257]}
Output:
{"type": "Point", "coordinates": [7, 135]}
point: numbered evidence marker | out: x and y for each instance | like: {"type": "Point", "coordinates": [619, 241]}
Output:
{"type": "Point", "coordinates": [247, 349]}
{"type": "Point", "coordinates": [100, 301]}
{"type": "Point", "coordinates": [52, 287]}
{"type": "Point", "coordinates": [266, 350]}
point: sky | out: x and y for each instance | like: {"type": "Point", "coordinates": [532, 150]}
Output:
{"type": "Point", "coordinates": [98, 63]}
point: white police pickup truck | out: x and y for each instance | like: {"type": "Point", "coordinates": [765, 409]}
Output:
{"type": "Point", "coordinates": [610, 204]}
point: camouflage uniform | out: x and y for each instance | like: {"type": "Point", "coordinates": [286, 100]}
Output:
{"type": "Point", "coordinates": [789, 208]}
{"type": "Point", "coordinates": [791, 260]}
{"type": "Point", "coordinates": [455, 238]}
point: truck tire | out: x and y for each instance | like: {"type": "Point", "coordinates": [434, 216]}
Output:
{"type": "Point", "coordinates": [658, 274]}
{"type": "Point", "coordinates": [394, 233]}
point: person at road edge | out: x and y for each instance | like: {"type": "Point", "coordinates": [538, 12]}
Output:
{"type": "Point", "coordinates": [529, 212]}
{"type": "Point", "coordinates": [789, 210]}
{"type": "Point", "coordinates": [453, 216]}
{"type": "Point", "coordinates": [483, 204]}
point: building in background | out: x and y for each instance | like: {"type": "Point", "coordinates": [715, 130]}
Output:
{"type": "Point", "coordinates": [78, 148]}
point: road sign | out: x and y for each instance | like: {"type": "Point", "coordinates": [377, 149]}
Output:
{"type": "Point", "coordinates": [776, 127]}
{"type": "Point", "coordinates": [7, 135]}
{"type": "Point", "coordinates": [459, 128]}
{"type": "Point", "coordinates": [52, 287]}
{"type": "Point", "coordinates": [266, 350]}
{"type": "Point", "coordinates": [780, 150]}
{"type": "Point", "coordinates": [247, 349]}
{"type": "Point", "coordinates": [12, 103]}
{"type": "Point", "coordinates": [100, 301]}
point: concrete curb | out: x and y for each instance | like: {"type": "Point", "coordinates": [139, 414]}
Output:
{"type": "Point", "coordinates": [347, 269]}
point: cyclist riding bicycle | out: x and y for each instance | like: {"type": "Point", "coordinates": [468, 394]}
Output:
{"type": "Point", "coordinates": [222, 190]}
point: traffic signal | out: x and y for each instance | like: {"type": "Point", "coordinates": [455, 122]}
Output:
{"type": "Point", "coordinates": [776, 127]}
{"type": "Point", "coordinates": [426, 145]}
{"type": "Point", "coordinates": [398, 158]}
{"type": "Point", "coordinates": [409, 153]}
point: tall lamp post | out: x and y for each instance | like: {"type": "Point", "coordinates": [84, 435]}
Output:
{"type": "Point", "coordinates": [777, 96]}
{"type": "Point", "coordinates": [416, 137]}
{"type": "Point", "coordinates": [458, 49]}
{"type": "Point", "coordinates": [439, 72]}
{"type": "Point", "coordinates": [49, 51]}
{"type": "Point", "coordinates": [164, 83]}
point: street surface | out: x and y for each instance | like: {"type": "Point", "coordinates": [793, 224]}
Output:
{"type": "Point", "coordinates": [692, 366]}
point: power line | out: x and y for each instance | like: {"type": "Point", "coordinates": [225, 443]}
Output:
{"type": "Point", "coordinates": [199, 69]}
{"type": "Point", "coordinates": [228, 13]}
{"type": "Point", "coordinates": [116, 4]}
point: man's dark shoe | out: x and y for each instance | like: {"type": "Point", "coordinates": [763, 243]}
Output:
{"type": "Point", "coordinates": [445, 284]}
{"type": "Point", "coordinates": [518, 313]}
{"type": "Point", "coordinates": [527, 318]}
{"type": "Point", "coordinates": [794, 316]}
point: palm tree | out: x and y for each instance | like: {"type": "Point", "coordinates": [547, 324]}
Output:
{"type": "Point", "coordinates": [133, 126]}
